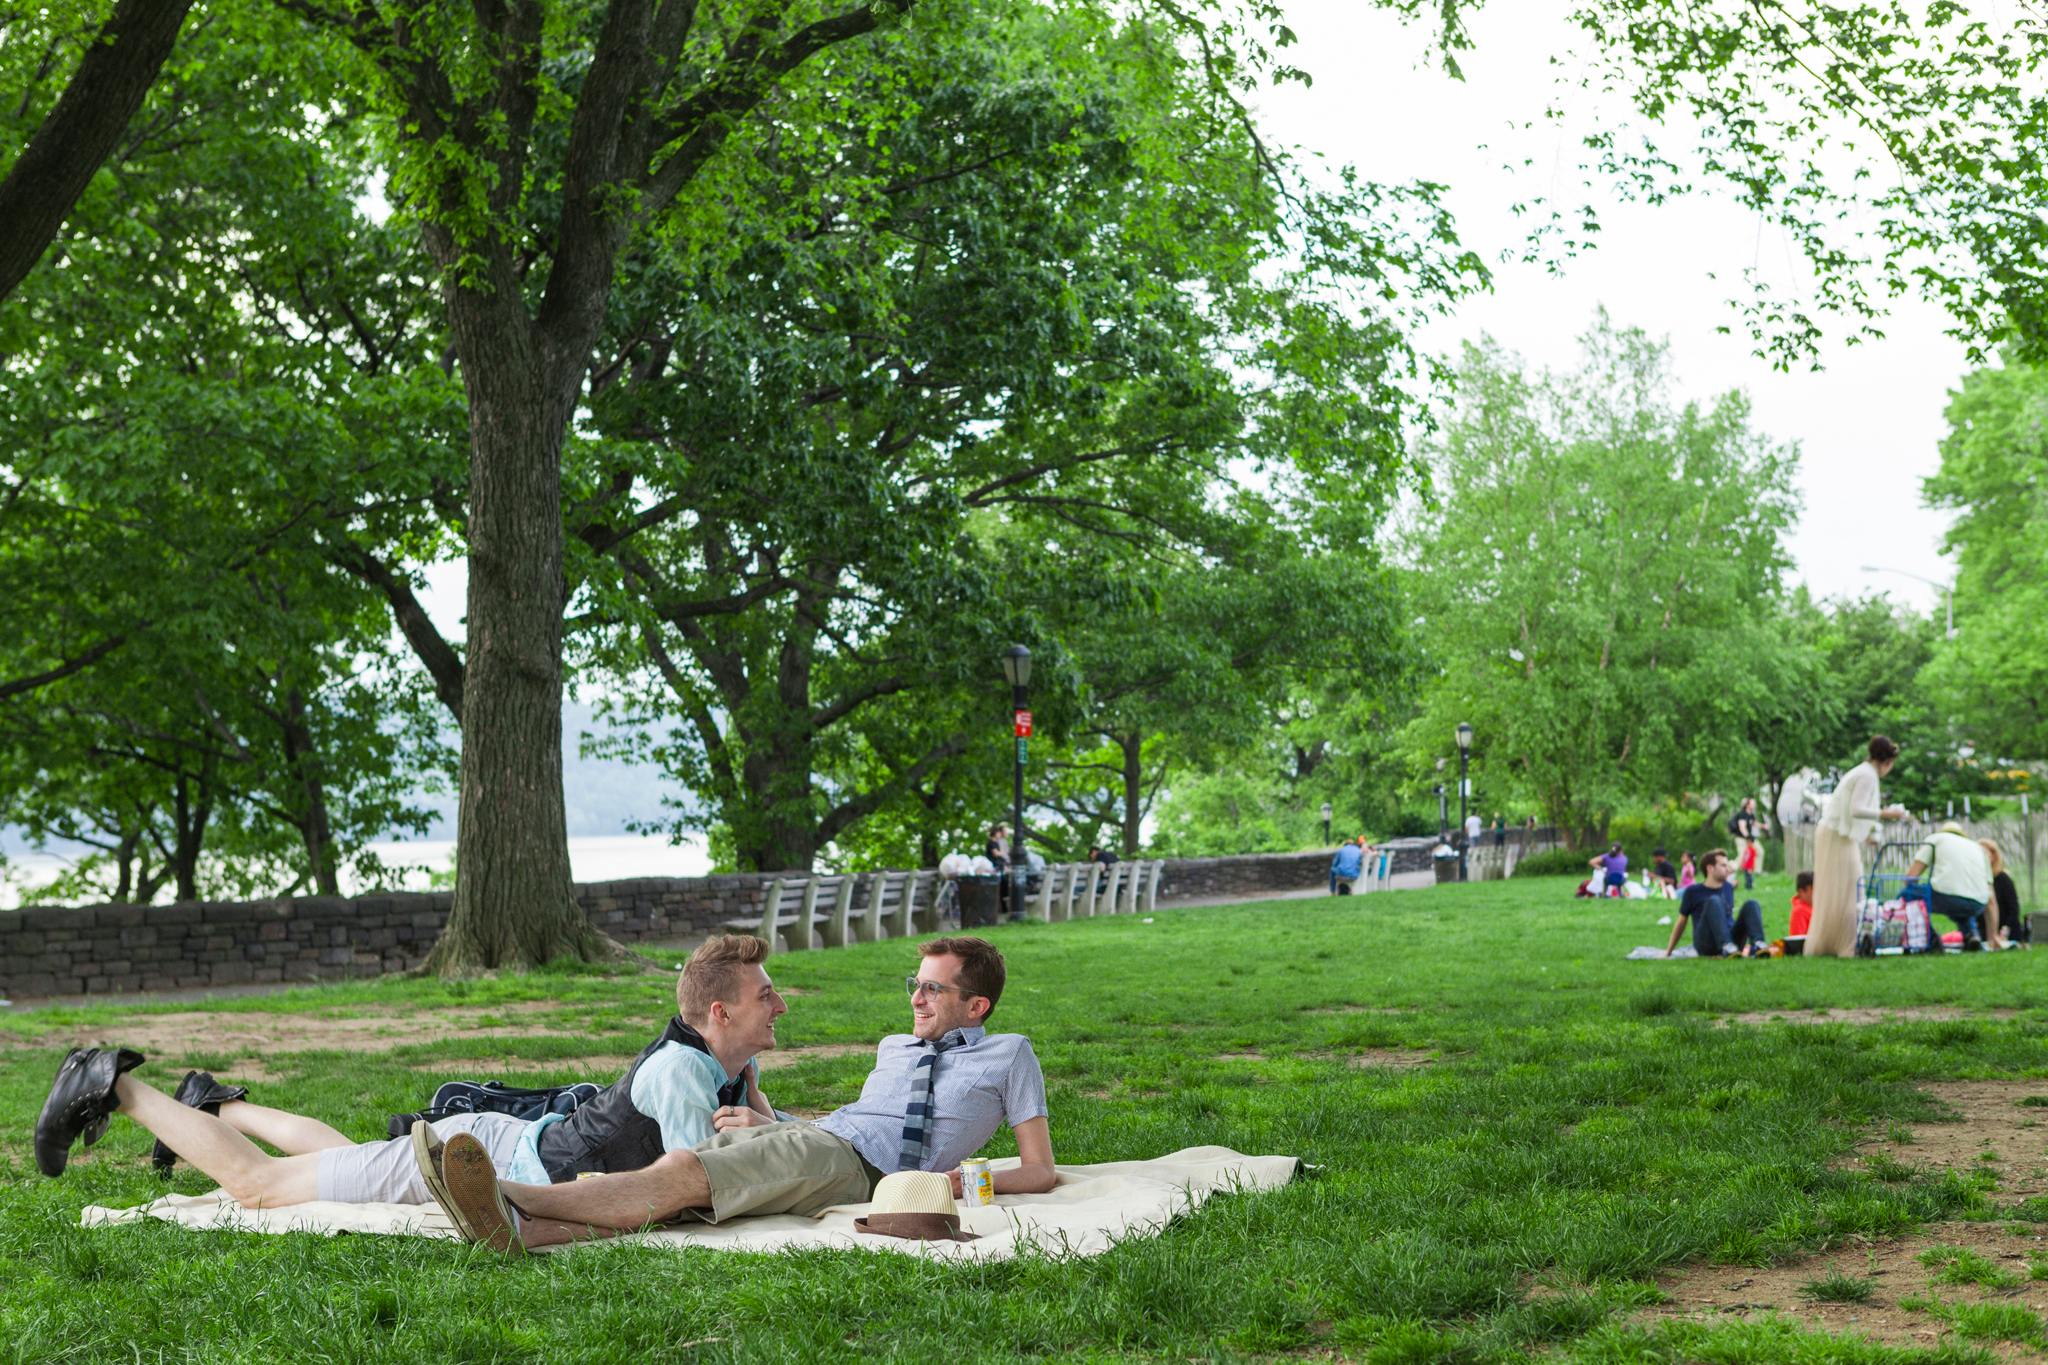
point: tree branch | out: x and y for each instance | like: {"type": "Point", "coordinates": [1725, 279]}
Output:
{"type": "Point", "coordinates": [78, 135]}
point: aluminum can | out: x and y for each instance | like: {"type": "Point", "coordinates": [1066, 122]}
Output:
{"type": "Point", "coordinates": [977, 1182]}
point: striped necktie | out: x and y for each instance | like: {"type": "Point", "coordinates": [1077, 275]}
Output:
{"type": "Point", "coordinates": [917, 1115]}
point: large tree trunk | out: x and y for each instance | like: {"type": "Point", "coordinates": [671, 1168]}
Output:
{"type": "Point", "coordinates": [1134, 788]}
{"type": "Point", "coordinates": [314, 827]}
{"type": "Point", "coordinates": [515, 905]}
{"type": "Point", "coordinates": [191, 811]}
{"type": "Point", "coordinates": [785, 837]}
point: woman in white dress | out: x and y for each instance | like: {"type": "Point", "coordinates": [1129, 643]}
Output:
{"type": "Point", "coordinates": [1846, 824]}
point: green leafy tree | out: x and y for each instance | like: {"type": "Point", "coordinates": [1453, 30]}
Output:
{"type": "Point", "coordinates": [1602, 570]}
{"type": "Point", "coordinates": [994, 397]}
{"type": "Point", "coordinates": [1993, 676]}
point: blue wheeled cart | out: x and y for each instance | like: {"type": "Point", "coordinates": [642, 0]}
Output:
{"type": "Point", "coordinates": [1894, 912]}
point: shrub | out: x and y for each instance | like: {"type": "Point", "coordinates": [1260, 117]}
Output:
{"type": "Point", "coordinates": [1556, 862]}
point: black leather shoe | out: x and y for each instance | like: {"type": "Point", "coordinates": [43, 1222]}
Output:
{"type": "Point", "coordinates": [81, 1103]}
{"type": "Point", "coordinates": [202, 1092]}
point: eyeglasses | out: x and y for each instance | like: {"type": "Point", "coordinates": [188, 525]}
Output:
{"type": "Point", "coordinates": [932, 988]}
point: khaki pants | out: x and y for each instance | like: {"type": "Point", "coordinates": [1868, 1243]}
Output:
{"type": "Point", "coordinates": [791, 1167]}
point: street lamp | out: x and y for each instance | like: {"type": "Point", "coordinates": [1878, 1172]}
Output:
{"type": "Point", "coordinates": [1464, 789]}
{"type": "Point", "coordinates": [1017, 668]}
{"type": "Point", "coordinates": [1326, 824]}
{"type": "Point", "coordinates": [1948, 591]}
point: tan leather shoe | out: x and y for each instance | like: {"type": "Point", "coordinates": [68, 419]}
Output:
{"type": "Point", "coordinates": [472, 1200]}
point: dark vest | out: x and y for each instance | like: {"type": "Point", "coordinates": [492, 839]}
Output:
{"type": "Point", "coordinates": [607, 1133]}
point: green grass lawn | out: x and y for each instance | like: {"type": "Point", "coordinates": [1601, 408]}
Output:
{"type": "Point", "coordinates": [1586, 1121]}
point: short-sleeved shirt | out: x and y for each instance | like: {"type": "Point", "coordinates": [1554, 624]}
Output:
{"type": "Point", "coordinates": [1664, 870]}
{"type": "Point", "coordinates": [677, 1086]}
{"type": "Point", "coordinates": [989, 1080]}
{"type": "Point", "coordinates": [1959, 866]}
{"type": "Point", "coordinates": [1349, 860]}
{"type": "Point", "coordinates": [1696, 899]}
{"type": "Point", "coordinates": [1615, 863]}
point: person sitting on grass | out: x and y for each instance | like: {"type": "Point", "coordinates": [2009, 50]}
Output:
{"type": "Point", "coordinates": [1706, 904]}
{"type": "Point", "coordinates": [1687, 873]}
{"type": "Point", "coordinates": [1613, 864]}
{"type": "Point", "coordinates": [700, 1067]}
{"type": "Point", "coordinates": [1663, 876]}
{"type": "Point", "coordinates": [936, 1095]}
{"type": "Point", "coordinates": [1802, 905]}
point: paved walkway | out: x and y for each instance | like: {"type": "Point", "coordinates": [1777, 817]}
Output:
{"type": "Point", "coordinates": [1402, 881]}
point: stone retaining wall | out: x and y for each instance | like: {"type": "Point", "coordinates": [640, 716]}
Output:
{"type": "Point", "coordinates": [88, 950]}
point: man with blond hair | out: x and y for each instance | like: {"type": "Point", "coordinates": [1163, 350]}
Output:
{"type": "Point", "coordinates": [936, 1095]}
{"type": "Point", "coordinates": [700, 1066]}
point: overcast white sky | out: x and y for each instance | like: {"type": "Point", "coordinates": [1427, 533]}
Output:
{"type": "Point", "coordinates": [1868, 425]}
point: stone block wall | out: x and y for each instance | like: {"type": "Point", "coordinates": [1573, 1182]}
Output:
{"type": "Point", "coordinates": [94, 949]}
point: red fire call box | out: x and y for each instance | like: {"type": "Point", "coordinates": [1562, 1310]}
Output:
{"type": "Point", "coordinates": [1023, 725]}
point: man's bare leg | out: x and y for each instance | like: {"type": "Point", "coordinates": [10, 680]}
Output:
{"type": "Point", "coordinates": [292, 1134]}
{"type": "Point", "coordinates": [248, 1173]}
{"type": "Point", "coordinates": [577, 1210]}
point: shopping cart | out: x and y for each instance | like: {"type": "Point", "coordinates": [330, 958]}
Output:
{"type": "Point", "coordinates": [1893, 911]}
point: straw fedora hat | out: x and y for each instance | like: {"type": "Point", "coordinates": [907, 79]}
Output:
{"type": "Point", "coordinates": [917, 1205]}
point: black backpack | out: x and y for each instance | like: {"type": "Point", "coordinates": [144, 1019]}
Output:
{"type": "Point", "coordinates": [495, 1097]}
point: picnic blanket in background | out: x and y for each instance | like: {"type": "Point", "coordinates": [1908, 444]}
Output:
{"type": "Point", "coordinates": [1088, 1211]}
{"type": "Point", "coordinates": [1648, 954]}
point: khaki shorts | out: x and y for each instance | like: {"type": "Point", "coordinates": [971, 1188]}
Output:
{"type": "Point", "coordinates": [387, 1172]}
{"type": "Point", "coordinates": [789, 1167]}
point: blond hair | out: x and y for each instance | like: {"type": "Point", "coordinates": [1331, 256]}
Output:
{"type": "Point", "coordinates": [1997, 858]}
{"type": "Point", "coordinates": [712, 974]}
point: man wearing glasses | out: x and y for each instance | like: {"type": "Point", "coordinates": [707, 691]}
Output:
{"type": "Point", "coordinates": [936, 1095]}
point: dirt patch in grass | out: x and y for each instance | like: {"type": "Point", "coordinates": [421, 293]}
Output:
{"type": "Point", "coordinates": [610, 1067]}
{"type": "Point", "coordinates": [1364, 1057]}
{"type": "Point", "coordinates": [1995, 1132]}
{"type": "Point", "coordinates": [1362, 1009]}
{"type": "Point", "coordinates": [1885, 1015]}
{"type": "Point", "coordinates": [173, 1035]}
{"type": "Point", "coordinates": [1895, 1275]}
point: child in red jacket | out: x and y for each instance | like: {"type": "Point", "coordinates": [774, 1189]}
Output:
{"type": "Point", "coordinates": [1802, 904]}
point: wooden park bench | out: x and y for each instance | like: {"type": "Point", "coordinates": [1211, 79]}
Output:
{"type": "Point", "coordinates": [789, 902]}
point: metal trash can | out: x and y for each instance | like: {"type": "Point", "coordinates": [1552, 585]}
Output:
{"type": "Point", "coordinates": [1445, 860]}
{"type": "Point", "coordinates": [981, 900]}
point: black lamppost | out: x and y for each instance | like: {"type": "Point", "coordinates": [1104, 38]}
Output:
{"type": "Point", "coordinates": [1017, 668]}
{"type": "Point", "coordinates": [1464, 788]}
{"type": "Point", "coordinates": [1326, 824]}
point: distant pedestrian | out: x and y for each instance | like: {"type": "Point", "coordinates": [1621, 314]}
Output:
{"type": "Point", "coordinates": [1474, 827]}
{"type": "Point", "coordinates": [1847, 822]}
{"type": "Point", "coordinates": [1500, 830]}
{"type": "Point", "coordinates": [1099, 854]}
{"type": "Point", "coordinates": [1748, 826]}
{"type": "Point", "coordinates": [1346, 867]}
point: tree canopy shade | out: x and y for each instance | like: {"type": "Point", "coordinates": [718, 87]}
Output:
{"type": "Point", "coordinates": [1901, 147]}
{"type": "Point", "coordinates": [184, 417]}
{"type": "Point", "coordinates": [1597, 580]}
{"type": "Point", "coordinates": [984, 378]}
{"type": "Point", "coordinates": [1992, 679]}
{"type": "Point", "coordinates": [115, 63]}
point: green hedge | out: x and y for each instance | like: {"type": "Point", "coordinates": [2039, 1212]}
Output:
{"type": "Point", "coordinates": [1555, 862]}
{"type": "Point", "coordinates": [1559, 862]}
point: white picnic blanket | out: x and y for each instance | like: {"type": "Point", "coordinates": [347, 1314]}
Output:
{"type": "Point", "coordinates": [1648, 954]}
{"type": "Point", "coordinates": [1086, 1213]}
